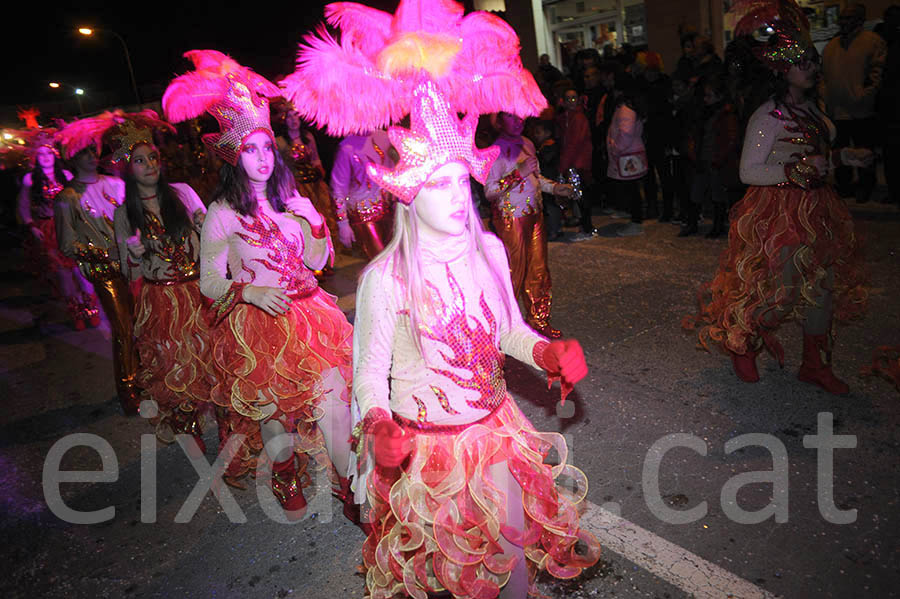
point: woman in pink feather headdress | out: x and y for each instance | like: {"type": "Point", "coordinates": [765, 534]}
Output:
{"type": "Point", "coordinates": [280, 345]}
{"type": "Point", "coordinates": [460, 500]}
{"type": "Point", "coordinates": [36, 196]}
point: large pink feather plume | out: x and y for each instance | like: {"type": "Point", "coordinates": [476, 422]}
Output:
{"type": "Point", "coordinates": [366, 80]}
{"type": "Point", "coordinates": [190, 95]}
{"type": "Point", "coordinates": [84, 133]}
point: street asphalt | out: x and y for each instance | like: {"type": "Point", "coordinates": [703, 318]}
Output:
{"type": "Point", "coordinates": [623, 299]}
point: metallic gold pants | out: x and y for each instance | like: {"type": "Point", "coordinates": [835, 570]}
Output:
{"type": "Point", "coordinates": [373, 235]}
{"type": "Point", "coordinates": [115, 297]}
{"type": "Point", "coordinates": [526, 246]}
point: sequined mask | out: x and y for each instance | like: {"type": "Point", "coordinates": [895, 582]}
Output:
{"type": "Point", "coordinates": [436, 137]}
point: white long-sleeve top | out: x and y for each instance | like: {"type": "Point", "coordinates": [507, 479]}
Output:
{"type": "Point", "coordinates": [510, 194]}
{"type": "Point", "coordinates": [163, 260]}
{"type": "Point", "coordinates": [460, 379]}
{"type": "Point", "coordinates": [778, 138]}
{"type": "Point", "coordinates": [351, 187]}
{"type": "Point", "coordinates": [270, 249]}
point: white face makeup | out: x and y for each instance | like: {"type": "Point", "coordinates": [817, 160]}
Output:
{"type": "Point", "coordinates": [145, 165]}
{"type": "Point", "coordinates": [442, 206]}
{"type": "Point", "coordinates": [45, 158]}
{"type": "Point", "coordinates": [510, 124]}
{"type": "Point", "coordinates": [258, 157]}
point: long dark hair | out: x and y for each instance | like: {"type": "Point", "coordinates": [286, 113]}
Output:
{"type": "Point", "coordinates": [174, 216]}
{"type": "Point", "coordinates": [234, 187]}
{"type": "Point", "coordinates": [38, 178]}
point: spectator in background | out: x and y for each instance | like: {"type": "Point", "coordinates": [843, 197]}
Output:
{"type": "Point", "coordinates": [627, 158]}
{"type": "Point", "coordinates": [675, 135]}
{"type": "Point", "coordinates": [854, 61]}
{"type": "Point", "coordinates": [889, 102]}
{"type": "Point", "coordinates": [685, 67]}
{"type": "Point", "coordinates": [706, 61]}
{"type": "Point", "coordinates": [656, 90]}
{"type": "Point", "coordinates": [716, 157]}
{"type": "Point", "coordinates": [549, 74]}
{"type": "Point", "coordinates": [540, 132]}
{"type": "Point", "coordinates": [574, 135]}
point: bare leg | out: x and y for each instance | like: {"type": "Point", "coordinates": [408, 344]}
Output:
{"type": "Point", "coordinates": [271, 428]}
{"type": "Point", "coordinates": [335, 424]}
{"type": "Point", "coordinates": [517, 587]}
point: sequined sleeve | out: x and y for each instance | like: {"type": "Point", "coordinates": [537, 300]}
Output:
{"type": "Point", "coordinates": [62, 216]}
{"type": "Point", "coordinates": [214, 283]}
{"type": "Point", "coordinates": [517, 339]}
{"type": "Point", "coordinates": [373, 340]}
{"type": "Point", "coordinates": [762, 131]}
{"type": "Point", "coordinates": [341, 173]}
{"type": "Point", "coordinates": [131, 268]}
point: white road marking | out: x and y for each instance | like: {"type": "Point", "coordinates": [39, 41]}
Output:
{"type": "Point", "coordinates": [676, 565]}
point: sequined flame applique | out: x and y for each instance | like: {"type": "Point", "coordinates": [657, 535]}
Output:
{"type": "Point", "coordinates": [285, 254]}
{"type": "Point", "coordinates": [179, 256]}
{"type": "Point", "coordinates": [473, 347]}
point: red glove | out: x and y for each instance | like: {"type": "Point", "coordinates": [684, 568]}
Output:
{"type": "Point", "coordinates": [562, 360]}
{"type": "Point", "coordinates": [390, 445]}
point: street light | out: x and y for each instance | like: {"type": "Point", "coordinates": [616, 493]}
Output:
{"type": "Point", "coordinates": [77, 90]}
{"type": "Point", "coordinates": [87, 31]}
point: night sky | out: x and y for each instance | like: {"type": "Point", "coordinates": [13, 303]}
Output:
{"type": "Point", "coordinates": [48, 47]}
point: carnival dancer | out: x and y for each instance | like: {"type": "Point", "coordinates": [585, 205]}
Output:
{"type": "Point", "coordinates": [84, 213]}
{"type": "Point", "coordinates": [453, 472]}
{"type": "Point", "coordinates": [298, 146]}
{"type": "Point", "coordinates": [792, 252]}
{"type": "Point", "coordinates": [158, 235]}
{"type": "Point", "coordinates": [365, 212]}
{"type": "Point", "coordinates": [281, 346]}
{"type": "Point", "coordinates": [39, 189]}
{"type": "Point", "coordinates": [514, 187]}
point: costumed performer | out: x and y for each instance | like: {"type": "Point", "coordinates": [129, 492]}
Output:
{"type": "Point", "coordinates": [514, 188]}
{"type": "Point", "coordinates": [460, 499]}
{"type": "Point", "coordinates": [84, 213]}
{"type": "Point", "coordinates": [39, 189]}
{"type": "Point", "coordinates": [158, 235]}
{"type": "Point", "coordinates": [792, 251]}
{"type": "Point", "coordinates": [281, 346]}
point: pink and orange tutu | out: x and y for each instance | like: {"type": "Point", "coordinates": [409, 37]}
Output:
{"type": "Point", "coordinates": [261, 360]}
{"type": "Point", "coordinates": [778, 229]}
{"type": "Point", "coordinates": [437, 524]}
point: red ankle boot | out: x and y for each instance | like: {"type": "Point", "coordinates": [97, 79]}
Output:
{"type": "Point", "coordinates": [745, 366]}
{"type": "Point", "coordinates": [352, 509]}
{"type": "Point", "coordinates": [288, 488]}
{"type": "Point", "coordinates": [816, 366]}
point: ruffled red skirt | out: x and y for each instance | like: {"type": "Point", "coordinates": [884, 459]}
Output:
{"type": "Point", "coordinates": [437, 527]}
{"type": "Point", "coordinates": [43, 257]}
{"type": "Point", "coordinates": [260, 360]}
{"type": "Point", "coordinates": [173, 342]}
{"type": "Point", "coordinates": [782, 243]}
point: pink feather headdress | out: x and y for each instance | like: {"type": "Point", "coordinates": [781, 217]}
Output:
{"type": "Point", "coordinates": [436, 137]}
{"type": "Point", "coordinates": [366, 81]}
{"type": "Point", "coordinates": [783, 29]}
{"type": "Point", "coordinates": [233, 94]}
{"type": "Point", "coordinates": [35, 139]}
{"type": "Point", "coordinates": [121, 131]}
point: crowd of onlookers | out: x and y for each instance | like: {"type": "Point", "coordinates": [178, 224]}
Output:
{"type": "Point", "coordinates": [652, 144]}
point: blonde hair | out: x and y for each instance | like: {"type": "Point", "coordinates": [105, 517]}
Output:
{"type": "Point", "coordinates": [402, 256]}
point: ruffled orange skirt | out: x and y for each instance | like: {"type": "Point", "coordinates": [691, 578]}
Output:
{"type": "Point", "coordinates": [438, 526]}
{"type": "Point", "coordinates": [775, 230]}
{"type": "Point", "coordinates": [173, 342]}
{"type": "Point", "coordinates": [261, 360]}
